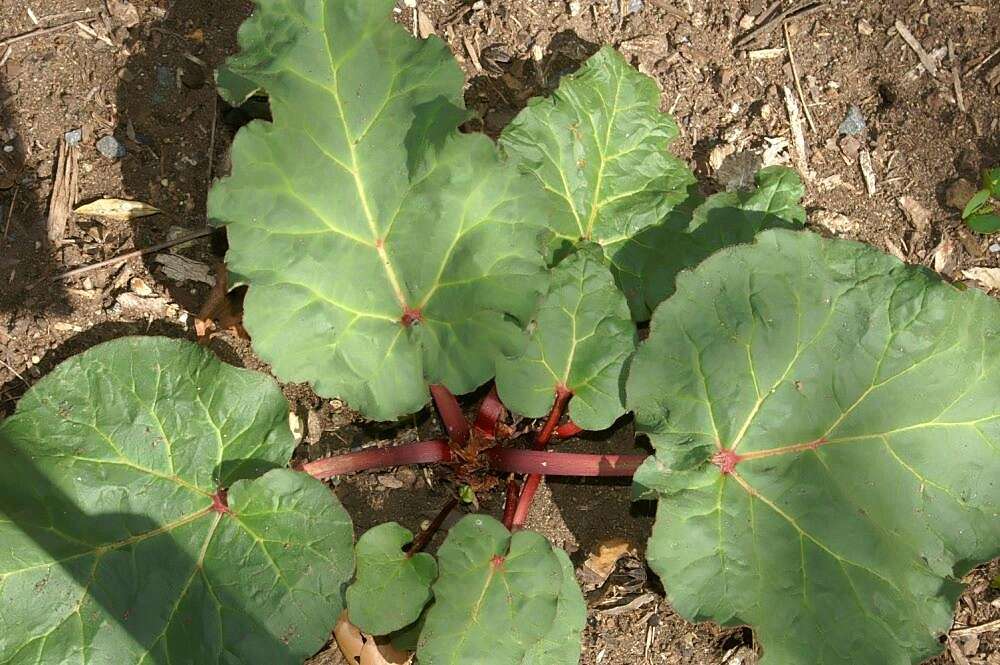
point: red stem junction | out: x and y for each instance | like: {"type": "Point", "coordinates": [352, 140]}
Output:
{"type": "Point", "coordinates": [563, 395]}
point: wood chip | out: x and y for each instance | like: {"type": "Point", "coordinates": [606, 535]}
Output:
{"type": "Point", "coordinates": [926, 60]}
{"type": "Point", "coordinates": [834, 222]}
{"type": "Point", "coordinates": [956, 76]}
{"type": "Point", "coordinates": [867, 172]}
{"type": "Point", "coordinates": [124, 12]}
{"type": "Point", "coordinates": [990, 278]}
{"type": "Point", "coordinates": [798, 135]}
{"type": "Point", "coordinates": [182, 269]}
{"type": "Point", "coordinates": [644, 599]}
{"type": "Point", "coordinates": [473, 53]}
{"type": "Point", "coordinates": [118, 209]}
{"type": "Point", "coordinates": [594, 572]}
{"type": "Point", "coordinates": [766, 53]}
{"type": "Point", "coordinates": [65, 189]}
{"type": "Point", "coordinates": [425, 27]}
{"type": "Point", "coordinates": [946, 256]}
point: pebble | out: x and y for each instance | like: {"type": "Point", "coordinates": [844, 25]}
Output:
{"type": "Point", "coordinates": [995, 248]}
{"type": "Point", "coordinates": [111, 147]}
{"type": "Point", "coordinates": [634, 6]}
{"type": "Point", "coordinates": [853, 123]}
{"type": "Point", "coordinates": [73, 136]}
{"type": "Point", "coordinates": [574, 8]}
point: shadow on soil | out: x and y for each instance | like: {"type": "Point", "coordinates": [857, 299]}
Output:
{"type": "Point", "coordinates": [27, 257]}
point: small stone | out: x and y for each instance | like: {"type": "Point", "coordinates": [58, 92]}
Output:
{"type": "Point", "coordinates": [574, 8]}
{"type": "Point", "coordinates": [35, 360]}
{"type": "Point", "coordinates": [865, 28]}
{"type": "Point", "coordinates": [192, 76]}
{"type": "Point", "coordinates": [959, 193]}
{"type": "Point", "coordinates": [73, 136]}
{"type": "Point", "coordinates": [389, 481]}
{"type": "Point", "coordinates": [407, 476]}
{"type": "Point", "coordinates": [8, 149]}
{"type": "Point", "coordinates": [634, 6]}
{"type": "Point", "coordinates": [995, 248]}
{"type": "Point", "coordinates": [412, 4]}
{"type": "Point", "coordinates": [111, 147]}
{"type": "Point", "coordinates": [853, 123]}
{"type": "Point", "coordinates": [834, 222]}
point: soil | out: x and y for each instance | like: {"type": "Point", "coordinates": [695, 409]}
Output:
{"type": "Point", "coordinates": [146, 80]}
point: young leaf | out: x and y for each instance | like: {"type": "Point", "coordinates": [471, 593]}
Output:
{"type": "Point", "coordinates": [118, 544]}
{"type": "Point", "coordinates": [991, 181]}
{"type": "Point", "coordinates": [986, 222]}
{"type": "Point", "coordinates": [583, 338]}
{"type": "Point", "coordinates": [383, 249]}
{"type": "Point", "coordinates": [562, 645]}
{"type": "Point", "coordinates": [975, 203]}
{"type": "Point", "coordinates": [598, 147]}
{"type": "Point", "coordinates": [391, 588]}
{"type": "Point", "coordinates": [827, 426]}
{"type": "Point", "coordinates": [727, 218]}
{"type": "Point", "coordinates": [497, 596]}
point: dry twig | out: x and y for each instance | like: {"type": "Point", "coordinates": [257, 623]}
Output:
{"type": "Point", "coordinates": [40, 32]}
{"type": "Point", "coordinates": [956, 76]}
{"type": "Point", "coordinates": [798, 136]}
{"type": "Point", "coordinates": [987, 627]}
{"type": "Point", "coordinates": [983, 62]}
{"type": "Point", "coordinates": [64, 191]}
{"type": "Point", "coordinates": [925, 59]}
{"type": "Point", "coordinates": [772, 20]}
{"type": "Point", "coordinates": [134, 254]}
{"type": "Point", "coordinates": [798, 82]}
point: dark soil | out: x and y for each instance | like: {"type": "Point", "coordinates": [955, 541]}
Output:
{"type": "Point", "coordinates": [150, 86]}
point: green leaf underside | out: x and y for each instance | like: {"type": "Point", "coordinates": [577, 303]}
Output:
{"type": "Point", "coordinates": [598, 146]}
{"type": "Point", "coordinates": [724, 219]}
{"type": "Point", "coordinates": [862, 394]}
{"type": "Point", "coordinates": [361, 202]}
{"type": "Point", "coordinates": [391, 589]}
{"type": "Point", "coordinates": [111, 549]}
{"type": "Point", "coordinates": [583, 338]}
{"type": "Point", "coordinates": [497, 597]}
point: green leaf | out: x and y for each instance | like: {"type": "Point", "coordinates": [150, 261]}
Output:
{"type": "Point", "coordinates": [854, 400]}
{"type": "Point", "coordinates": [391, 588]}
{"type": "Point", "coordinates": [582, 340]}
{"type": "Point", "coordinates": [987, 222]}
{"type": "Point", "coordinates": [562, 645]}
{"type": "Point", "coordinates": [725, 219]}
{"type": "Point", "coordinates": [975, 203]}
{"type": "Point", "coordinates": [383, 249]}
{"type": "Point", "coordinates": [598, 147]}
{"type": "Point", "coordinates": [991, 181]}
{"type": "Point", "coordinates": [497, 596]}
{"type": "Point", "coordinates": [112, 550]}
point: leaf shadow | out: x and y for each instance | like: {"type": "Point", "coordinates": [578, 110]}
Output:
{"type": "Point", "coordinates": [110, 565]}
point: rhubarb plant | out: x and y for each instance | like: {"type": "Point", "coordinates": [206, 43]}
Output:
{"type": "Point", "coordinates": [825, 419]}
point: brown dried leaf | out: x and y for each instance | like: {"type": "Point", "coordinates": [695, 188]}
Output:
{"type": "Point", "coordinates": [988, 277]}
{"type": "Point", "coordinates": [222, 310]}
{"type": "Point", "coordinates": [358, 647]}
{"type": "Point", "coordinates": [946, 256]}
{"type": "Point", "coordinates": [916, 213]}
{"type": "Point", "coordinates": [602, 562]}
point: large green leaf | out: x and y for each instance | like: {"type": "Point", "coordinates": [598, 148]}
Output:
{"type": "Point", "coordinates": [392, 588]}
{"type": "Point", "coordinates": [582, 340]}
{"type": "Point", "coordinates": [724, 219]}
{"type": "Point", "coordinates": [598, 146]}
{"type": "Point", "coordinates": [496, 598]}
{"type": "Point", "coordinates": [827, 431]}
{"type": "Point", "coordinates": [383, 249]}
{"type": "Point", "coordinates": [562, 645]}
{"type": "Point", "coordinates": [116, 548]}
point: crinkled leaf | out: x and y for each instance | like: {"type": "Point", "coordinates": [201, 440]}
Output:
{"type": "Point", "coordinates": [855, 401]}
{"type": "Point", "coordinates": [582, 340]}
{"type": "Point", "coordinates": [496, 598]}
{"type": "Point", "coordinates": [562, 645]}
{"type": "Point", "coordinates": [391, 588]}
{"type": "Point", "coordinates": [598, 146]}
{"type": "Point", "coordinates": [383, 249]}
{"type": "Point", "coordinates": [112, 551]}
{"type": "Point", "coordinates": [727, 218]}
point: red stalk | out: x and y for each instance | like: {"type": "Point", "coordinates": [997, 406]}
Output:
{"type": "Point", "coordinates": [568, 429]}
{"type": "Point", "coordinates": [490, 412]}
{"type": "Point", "coordinates": [551, 463]}
{"type": "Point", "coordinates": [510, 504]}
{"type": "Point", "coordinates": [424, 537]}
{"type": "Point", "coordinates": [424, 452]}
{"type": "Point", "coordinates": [563, 395]}
{"type": "Point", "coordinates": [451, 415]}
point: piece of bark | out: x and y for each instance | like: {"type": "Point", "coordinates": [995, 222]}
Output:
{"type": "Point", "coordinates": [64, 191]}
